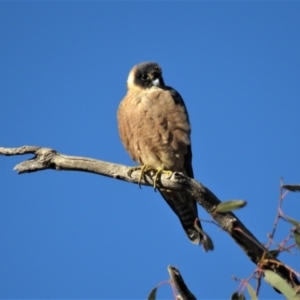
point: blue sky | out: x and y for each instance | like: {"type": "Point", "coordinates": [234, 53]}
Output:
{"type": "Point", "coordinates": [64, 66]}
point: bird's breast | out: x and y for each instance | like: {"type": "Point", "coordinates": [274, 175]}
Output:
{"type": "Point", "coordinates": [154, 130]}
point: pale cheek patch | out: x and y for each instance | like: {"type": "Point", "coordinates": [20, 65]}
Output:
{"type": "Point", "coordinates": [130, 80]}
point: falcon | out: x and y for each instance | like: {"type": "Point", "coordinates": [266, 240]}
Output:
{"type": "Point", "coordinates": [155, 130]}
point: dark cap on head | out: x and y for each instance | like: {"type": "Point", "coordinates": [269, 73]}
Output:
{"type": "Point", "coordinates": [146, 75]}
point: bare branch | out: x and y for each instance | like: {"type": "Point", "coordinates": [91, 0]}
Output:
{"type": "Point", "coordinates": [179, 284]}
{"type": "Point", "coordinates": [46, 158]}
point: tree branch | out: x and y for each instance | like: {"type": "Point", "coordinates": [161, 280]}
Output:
{"type": "Point", "coordinates": [46, 158]}
{"type": "Point", "coordinates": [179, 284]}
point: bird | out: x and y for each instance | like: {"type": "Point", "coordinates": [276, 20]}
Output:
{"type": "Point", "coordinates": [154, 128]}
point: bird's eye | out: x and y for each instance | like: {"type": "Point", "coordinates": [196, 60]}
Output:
{"type": "Point", "coordinates": [144, 77]}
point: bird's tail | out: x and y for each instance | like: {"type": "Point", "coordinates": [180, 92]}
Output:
{"type": "Point", "coordinates": [185, 207]}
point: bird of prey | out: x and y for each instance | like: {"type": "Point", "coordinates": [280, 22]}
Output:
{"type": "Point", "coordinates": [155, 130]}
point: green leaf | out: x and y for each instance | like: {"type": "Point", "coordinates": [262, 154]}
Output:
{"type": "Point", "coordinates": [242, 297]}
{"type": "Point", "coordinates": [230, 205]}
{"type": "Point", "coordinates": [152, 295]}
{"type": "Point", "coordinates": [292, 187]}
{"type": "Point", "coordinates": [297, 237]}
{"type": "Point", "coordinates": [251, 292]}
{"type": "Point", "coordinates": [293, 221]}
{"type": "Point", "coordinates": [281, 285]}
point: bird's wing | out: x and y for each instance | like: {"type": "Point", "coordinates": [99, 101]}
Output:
{"type": "Point", "coordinates": [183, 205]}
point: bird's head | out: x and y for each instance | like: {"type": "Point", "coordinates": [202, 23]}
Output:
{"type": "Point", "coordinates": [145, 75]}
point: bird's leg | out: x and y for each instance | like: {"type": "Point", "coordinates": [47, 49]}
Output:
{"type": "Point", "coordinates": [145, 169]}
{"type": "Point", "coordinates": [160, 171]}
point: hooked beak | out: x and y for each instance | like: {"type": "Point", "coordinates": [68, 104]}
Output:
{"type": "Point", "coordinates": [156, 82]}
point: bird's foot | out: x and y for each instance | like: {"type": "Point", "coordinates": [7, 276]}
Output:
{"type": "Point", "coordinates": [159, 172]}
{"type": "Point", "coordinates": [144, 169]}
{"type": "Point", "coordinates": [148, 169]}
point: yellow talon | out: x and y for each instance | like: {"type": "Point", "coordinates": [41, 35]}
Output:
{"type": "Point", "coordinates": [143, 170]}
{"type": "Point", "coordinates": [159, 172]}
{"type": "Point", "coordinates": [146, 169]}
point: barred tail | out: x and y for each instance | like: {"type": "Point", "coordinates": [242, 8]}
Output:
{"type": "Point", "coordinates": [186, 210]}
